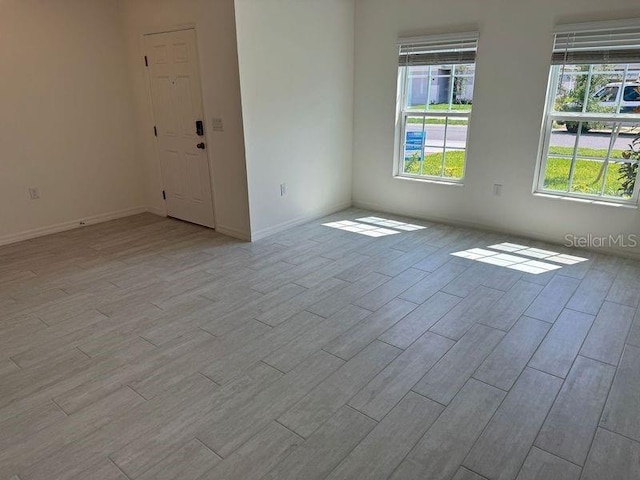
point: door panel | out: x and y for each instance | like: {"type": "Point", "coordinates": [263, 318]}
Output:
{"type": "Point", "coordinates": [174, 78]}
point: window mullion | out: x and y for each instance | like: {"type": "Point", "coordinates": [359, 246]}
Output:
{"type": "Point", "coordinates": [545, 154]}
{"type": "Point", "coordinates": [422, 146]}
{"type": "Point", "coordinates": [585, 100]}
{"type": "Point", "coordinates": [405, 118]}
{"type": "Point", "coordinates": [572, 167]}
{"type": "Point", "coordinates": [452, 84]}
{"type": "Point", "coordinates": [428, 99]}
{"type": "Point", "coordinates": [444, 145]}
{"type": "Point", "coordinates": [621, 92]}
{"type": "Point", "coordinates": [615, 131]}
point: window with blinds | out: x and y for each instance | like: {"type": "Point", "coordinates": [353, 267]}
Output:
{"type": "Point", "coordinates": [592, 114]}
{"type": "Point", "coordinates": [436, 76]}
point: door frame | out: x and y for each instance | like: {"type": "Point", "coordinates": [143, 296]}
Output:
{"type": "Point", "coordinates": [207, 135]}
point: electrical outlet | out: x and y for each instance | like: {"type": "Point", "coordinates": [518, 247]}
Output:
{"type": "Point", "coordinates": [283, 189]}
{"type": "Point", "coordinates": [497, 189]}
{"type": "Point", "coordinates": [34, 193]}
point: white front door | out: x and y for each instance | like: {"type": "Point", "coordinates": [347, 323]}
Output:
{"type": "Point", "coordinates": [174, 77]}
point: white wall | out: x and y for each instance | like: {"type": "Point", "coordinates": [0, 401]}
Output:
{"type": "Point", "coordinates": [296, 75]}
{"type": "Point", "coordinates": [215, 26]}
{"type": "Point", "coordinates": [65, 116]}
{"type": "Point", "coordinates": [512, 71]}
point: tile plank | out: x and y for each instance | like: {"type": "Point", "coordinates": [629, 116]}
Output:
{"type": "Point", "coordinates": [620, 411]}
{"type": "Point", "coordinates": [608, 333]}
{"type": "Point", "coordinates": [376, 457]}
{"type": "Point", "coordinates": [569, 429]}
{"type": "Point", "coordinates": [411, 327]}
{"type": "Point", "coordinates": [612, 456]}
{"type": "Point", "coordinates": [386, 292]}
{"type": "Point", "coordinates": [541, 465]}
{"type": "Point", "coordinates": [187, 463]}
{"type": "Point", "coordinates": [325, 448]}
{"type": "Point", "coordinates": [382, 393]}
{"type": "Point", "coordinates": [440, 452]}
{"type": "Point", "coordinates": [334, 392]}
{"type": "Point", "coordinates": [431, 284]}
{"type": "Point", "coordinates": [553, 298]}
{"type": "Point", "coordinates": [561, 345]}
{"type": "Point", "coordinates": [465, 314]}
{"type": "Point", "coordinates": [452, 371]}
{"type": "Point", "coordinates": [359, 336]}
{"type": "Point", "coordinates": [505, 364]}
{"type": "Point", "coordinates": [503, 446]}
{"type": "Point", "coordinates": [511, 306]}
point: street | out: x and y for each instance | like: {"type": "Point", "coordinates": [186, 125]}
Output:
{"type": "Point", "coordinates": [457, 137]}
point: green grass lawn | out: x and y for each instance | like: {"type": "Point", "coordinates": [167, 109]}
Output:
{"type": "Point", "coordinates": [453, 165]}
{"type": "Point", "coordinates": [556, 176]}
{"type": "Point", "coordinates": [439, 107]}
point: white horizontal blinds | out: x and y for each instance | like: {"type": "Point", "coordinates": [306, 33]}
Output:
{"type": "Point", "coordinates": [438, 50]}
{"type": "Point", "coordinates": [589, 44]}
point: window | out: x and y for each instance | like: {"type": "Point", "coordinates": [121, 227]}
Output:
{"type": "Point", "coordinates": [632, 93]}
{"type": "Point", "coordinates": [592, 114]}
{"type": "Point", "coordinates": [435, 95]}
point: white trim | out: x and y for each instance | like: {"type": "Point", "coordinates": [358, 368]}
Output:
{"type": "Point", "coordinates": [158, 211]}
{"type": "Point", "coordinates": [70, 225]}
{"type": "Point", "coordinates": [267, 232]}
{"type": "Point", "coordinates": [607, 25]}
{"type": "Point", "coordinates": [580, 199]}
{"type": "Point", "coordinates": [457, 37]}
{"type": "Point", "coordinates": [426, 179]}
{"type": "Point", "coordinates": [532, 235]}
{"type": "Point", "coordinates": [175, 28]}
{"type": "Point", "coordinates": [233, 232]}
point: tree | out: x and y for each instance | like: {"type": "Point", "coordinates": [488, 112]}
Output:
{"type": "Point", "coordinates": [460, 84]}
{"type": "Point", "coordinates": [629, 170]}
{"type": "Point", "coordinates": [573, 100]}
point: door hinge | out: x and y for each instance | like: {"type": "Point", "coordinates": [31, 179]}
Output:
{"type": "Point", "coordinates": [155, 131]}
{"type": "Point", "coordinates": [164, 195]}
{"type": "Point", "coordinates": [146, 61]}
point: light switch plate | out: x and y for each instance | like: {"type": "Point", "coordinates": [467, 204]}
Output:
{"type": "Point", "coordinates": [217, 125]}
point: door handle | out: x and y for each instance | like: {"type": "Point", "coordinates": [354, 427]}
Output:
{"type": "Point", "coordinates": [201, 146]}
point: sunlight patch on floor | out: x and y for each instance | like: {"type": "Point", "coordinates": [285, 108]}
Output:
{"type": "Point", "coordinates": [520, 257]}
{"type": "Point", "coordinates": [374, 226]}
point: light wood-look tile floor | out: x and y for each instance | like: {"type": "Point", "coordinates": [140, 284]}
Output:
{"type": "Point", "coordinates": [148, 348]}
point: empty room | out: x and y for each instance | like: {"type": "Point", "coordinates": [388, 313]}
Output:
{"type": "Point", "coordinates": [319, 239]}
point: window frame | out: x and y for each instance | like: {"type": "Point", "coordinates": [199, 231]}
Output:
{"type": "Point", "coordinates": [403, 113]}
{"type": "Point", "coordinates": [550, 116]}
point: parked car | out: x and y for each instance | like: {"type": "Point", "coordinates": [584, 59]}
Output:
{"type": "Point", "coordinates": [608, 97]}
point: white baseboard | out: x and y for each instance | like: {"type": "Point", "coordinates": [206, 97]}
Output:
{"type": "Point", "coordinates": [266, 232]}
{"type": "Point", "coordinates": [78, 223]}
{"type": "Point", "coordinates": [489, 228]}
{"type": "Point", "coordinates": [105, 217]}
{"type": "Point", "coordinates": [233, 232]}
{"type": "Point", "coordinates": [157, 211]}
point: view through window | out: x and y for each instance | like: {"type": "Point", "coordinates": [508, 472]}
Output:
{"type": "Point", "coordinates": [435, 79]}
{"type": "Point", "coordinates": [593, 116]}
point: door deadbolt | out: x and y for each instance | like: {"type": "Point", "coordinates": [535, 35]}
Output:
{"type": "Point", "coordinates": [201, 146]}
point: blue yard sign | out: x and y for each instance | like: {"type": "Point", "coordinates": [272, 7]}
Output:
{"type": "Point", "coordinates": [414, 142]}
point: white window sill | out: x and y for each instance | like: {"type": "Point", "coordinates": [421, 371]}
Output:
{"type": "Point", "coordinates": [583, 200]}
{"type": "Point", "coordinates": [435, 181]}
